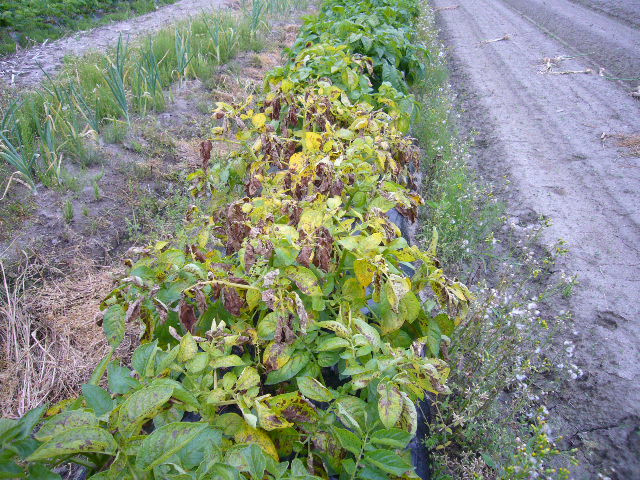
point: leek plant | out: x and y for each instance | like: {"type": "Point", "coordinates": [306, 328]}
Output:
{"type": "Point", "coordinates": [115, 78]}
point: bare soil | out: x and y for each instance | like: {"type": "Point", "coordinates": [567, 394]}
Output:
{"type": "Point", "coordinates": [27, 67]}
{"type": "Point", "coordinates": [555, 135]}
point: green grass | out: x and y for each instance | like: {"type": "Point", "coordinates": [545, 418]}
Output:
{"type": "Point", "coordinates": [98, 93]}
{"type": "Point", "coordinates": [464, 212]}
{"type": "Point", "coordinates": [25, 22]}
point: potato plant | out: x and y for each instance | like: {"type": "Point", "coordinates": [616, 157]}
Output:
{"type": "Point", "coordinates": [287, 335]}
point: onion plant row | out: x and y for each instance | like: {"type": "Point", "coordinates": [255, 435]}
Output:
{"type": "Point", "coordinates": [103, 91]}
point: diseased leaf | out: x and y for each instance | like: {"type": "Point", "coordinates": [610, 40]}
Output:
{"type": "Point", "coordinates": [313, 389]}
{"type": "Point", "coordinates": [409, 418]}
{"type": "Point", "coordinates": [76, 440]}
{"type": "Point", "coordinates": [113, 323]}
{"type": "Point", "coordinates": [65, 421]}
{"type": "Point", "coordinates": [390, 404]}
{"type": "Point", "coordinates": [188, 348]}
{"type": "Point", "coordinates": [165, 442]}
{"type": "Point", "coordinates": [142, 405]}
{"type": "Point", "coordinates": [247, 379]}
{"type": "Point", "coordinates": [364, 271]}
{"type": "Point", "coordinates": [297, 362]}
{"type": "Point", "coordinates": [305, 279]}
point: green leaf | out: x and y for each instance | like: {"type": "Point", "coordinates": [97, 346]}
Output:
{"type": "Point", "coordinates": [10, 470]}
{"type": "Point", "coordinates": [188, 348]}
{"type": "Point", "coordinates": [98, 399]}
{"type": "Point", "coordinates": [410, 307]}
{"type": "Point", "coordinates": [313, 389]}
{"type": "Point", "coordinates": [119, 379]}
{"type": "Point", "coordinates": [113, 323]}
{"type": "Point", "coordinates": [348, 440]}
{"type": "Point", "coordinates": [65, 421]}
{"type": "Point", "coordinates": [98, 373]}
{"type": "Point", "coordinates": [76, 440]}
{"type": "Point", "coordinates": [165, 442]}
{"type": "Point", "coordinates": [332, 343]}
{"type": "Point", "coordinates": [24, 427]}
{"type": "Point", "coordinates": [267, 326]}
{"type": "Point", "coordinates": [284, 256]}
{"type": "Point", "coordinates": [446, 324]}
{"type": "Point", "coordinates": [390, 404]}
{"type": "Point", "coordinates": [388, 461]}
{"type": "Point", "coordinates": [256, 461]}
{"type": "Point", "coordinates": [37, 471]}
{"type": "Point", "coordinates": [222, 471]}
{"type": "Point", "coordinates": [143, 359]}
{"type": "Point", "coordinates": [296, 363]}
{"type": "Point", "coordinates": [391, 437]}
{"type": "Point", "coordinates": [227, 361]}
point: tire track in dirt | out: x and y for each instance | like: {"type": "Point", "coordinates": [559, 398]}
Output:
{"type": "Point", "coordinates": [25, 68]}
{"type": "Point", "coordinates": [545, 132]}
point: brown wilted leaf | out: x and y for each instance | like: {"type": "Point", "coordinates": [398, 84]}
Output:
{"type": "Point", "coordinates": [205, 153]}
{"type": "Point", "coordinates": [187, 315]}
{"type": "Point", "coordinates": [133, 312]}
{"type": "Point", "coordinates": [410, 213]}
{"type": "Point", "coordinates": [232, 301]}
{"type": "Point", "coordinates": [269, 297]}
{"type": "Point", "coordinates": [302, 313]}
{"type": "Point", "coordinates": [284, 329]}
{"type": "Point", "coordinates": [324, 248]}
{"type": "Point", "coordinates": [253, 187]}
{"type": "Point", "coordinates": [304, 257]}
{"type": "Point", "coordinates": [201, 299]}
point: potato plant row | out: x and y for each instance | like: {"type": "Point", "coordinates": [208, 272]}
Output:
{"type": "Point", "coordinates": [281, 335]}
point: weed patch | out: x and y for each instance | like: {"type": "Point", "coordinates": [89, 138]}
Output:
{"type": "Point", "coordinates": [493, 425]}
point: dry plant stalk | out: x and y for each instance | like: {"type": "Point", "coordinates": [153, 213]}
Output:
{"type": "Point", "coordinates": [571, 72]}
{"type": "Point", "coordinates": [631, 142]}
{"type": "Point", "coordinates": [452, 7]}
{"type": "Point", "coordinates": [506, 36]}
{"type": "Point", "coordinates": [49, 344]}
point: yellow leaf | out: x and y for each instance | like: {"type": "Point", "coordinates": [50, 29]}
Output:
{"type": "Point", "coordinates": [248, 434]}
{"type": "Point", "coordinates": [364, 272]}
{"type": "Point", "coordinates": [259, 119]}
{"type": "Point", "coordinates": [276, 355]}
{"type": "Point", "coordinates": [296, 162]}
{"type": "Point", "coordinates": [312, 141]}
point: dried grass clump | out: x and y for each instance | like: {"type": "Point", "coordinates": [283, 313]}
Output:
{"type": "Point", "coordinates": [631, 142]}
{"type": "Point", "coordinates": [49, 341]}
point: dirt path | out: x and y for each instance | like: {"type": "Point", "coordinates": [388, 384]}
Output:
{"type": "Point", "coordinates": [24, 68]}
{"type": "Point", "coordinates": [545, 131]}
